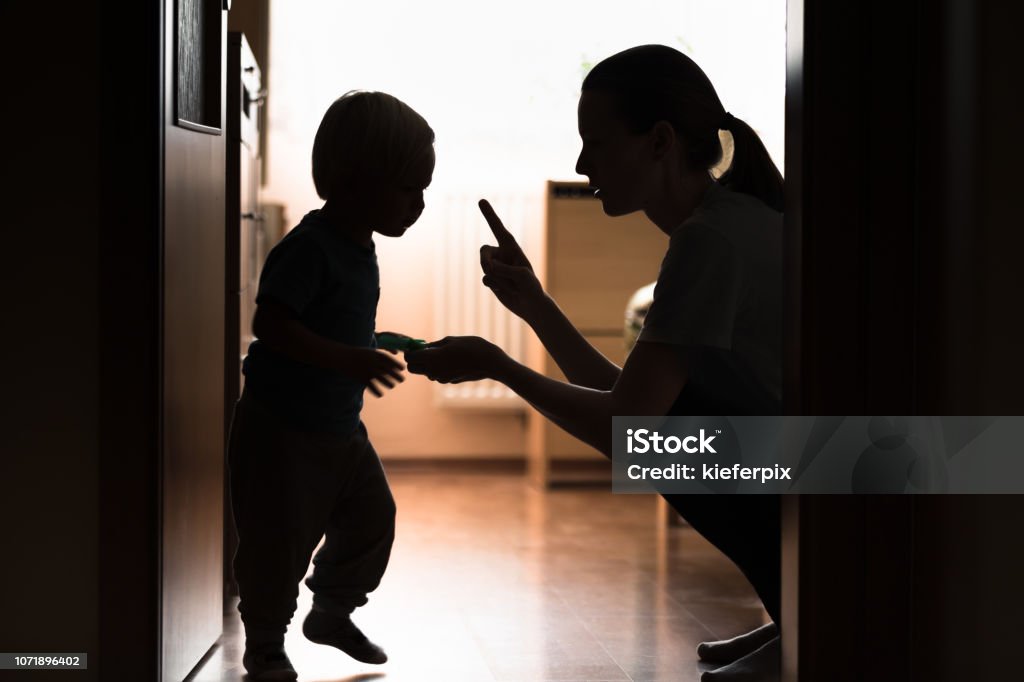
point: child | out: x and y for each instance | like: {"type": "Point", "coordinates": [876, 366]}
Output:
{"type": "Point", "coordinates": [300, 462]}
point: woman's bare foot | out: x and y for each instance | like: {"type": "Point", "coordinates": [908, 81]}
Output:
{"type": "Point", "coordinates": [729, 650]}
{"type": "Point", "coordinates": [761, 665]}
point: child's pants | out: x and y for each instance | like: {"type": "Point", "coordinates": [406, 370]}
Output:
{"type": "Point", "coordinates": [289, 489]}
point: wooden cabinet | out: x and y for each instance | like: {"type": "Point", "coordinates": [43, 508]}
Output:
{"type": "Point", "coordinates": [243, 215]}
{"type": "Point", "coordinates": [591, 265]}
{"type": "Point", "coordinates": [244, 237]}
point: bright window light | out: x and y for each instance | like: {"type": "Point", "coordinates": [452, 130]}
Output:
{"type": "Point", "coordinates": [499, 82]}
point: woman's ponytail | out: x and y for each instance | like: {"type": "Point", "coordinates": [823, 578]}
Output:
{"type": "Point", "coordinates": [752, 170]}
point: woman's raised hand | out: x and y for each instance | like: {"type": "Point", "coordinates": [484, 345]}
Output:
{"type": "Point", "coordinates": [507, 270]}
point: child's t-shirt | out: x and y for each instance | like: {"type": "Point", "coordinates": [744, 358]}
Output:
{"type": "Point", "coordinates": [719, 294]}
{"type": "Point", "coordinates": [332, 284]}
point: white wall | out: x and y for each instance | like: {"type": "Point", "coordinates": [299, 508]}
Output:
{"type": "Point", "coordinates": [498, 82]}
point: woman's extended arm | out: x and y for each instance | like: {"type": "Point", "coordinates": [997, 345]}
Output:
{"type": "Point", "coordinates": [509, 275]}
{"type": "Point", "coordinates": [649, 383]}
{"type": "Point", "coordinates": [581, 363]}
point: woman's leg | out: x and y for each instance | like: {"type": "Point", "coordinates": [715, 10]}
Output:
{"type": "Point", "coordinates": [748, 530]}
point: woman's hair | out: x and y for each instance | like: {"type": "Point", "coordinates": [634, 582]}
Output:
{"type": "Point", "coordinates": [367, 136]}
{"type": "Point", "coordinates": [652, 83]}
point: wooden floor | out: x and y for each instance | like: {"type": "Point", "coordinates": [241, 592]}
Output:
{"type": "Point", "coordinates": [491, 580]}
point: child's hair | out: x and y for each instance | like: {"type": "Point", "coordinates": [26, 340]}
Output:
{"type": "Point", "coordinates": [652, 83]}
{"type": "Point", "coordinates": [369, 136]}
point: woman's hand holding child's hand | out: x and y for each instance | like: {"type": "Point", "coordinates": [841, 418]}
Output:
{"type": "Point", "coordinates": [507, 270]}
{"type": "Point", "coordinates": [455, 359]}
{"type": "Point", "coordinates": [372, 367]}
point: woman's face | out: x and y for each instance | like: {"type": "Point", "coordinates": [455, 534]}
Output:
{"type": "Point", "coordinates": [617, 162]}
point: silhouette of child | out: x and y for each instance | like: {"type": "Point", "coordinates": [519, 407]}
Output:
{"type": "Point", "coordinates": [300, 462]}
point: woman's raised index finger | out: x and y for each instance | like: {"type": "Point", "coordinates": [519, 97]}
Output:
{"type": "Point", "coordinates": [497, 227]}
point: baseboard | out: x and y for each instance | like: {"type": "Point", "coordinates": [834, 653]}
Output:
{"type": "Point", "coordinates": [461, 465]}
{"type": "Point", "coordinates": [563, 473]}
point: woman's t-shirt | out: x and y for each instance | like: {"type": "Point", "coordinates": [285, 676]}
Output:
{"type": "Point", "coordinates": [719, 295]}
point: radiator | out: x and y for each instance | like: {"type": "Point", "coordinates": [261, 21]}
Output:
{"type": "Point", "coordinates": [464, 306]}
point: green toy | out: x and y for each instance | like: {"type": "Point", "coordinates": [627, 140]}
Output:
{"type": "Point", "coordinates": [400, 342]}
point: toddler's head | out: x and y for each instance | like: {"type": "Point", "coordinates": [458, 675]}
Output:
{"type": "Point", "coordinates": [372, 157]}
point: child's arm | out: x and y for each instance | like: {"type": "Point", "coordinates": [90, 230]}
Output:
{"type": "Point", "coordinates": [275, 325]}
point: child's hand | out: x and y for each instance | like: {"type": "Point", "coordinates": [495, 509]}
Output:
{"type": "Point", "coordinates": [372, 367]}
{"type": "Point", "coordinates": [507, 270]}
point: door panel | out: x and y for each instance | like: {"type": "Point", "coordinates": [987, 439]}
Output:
{"type": "Point", "coordinates": [193, 343]}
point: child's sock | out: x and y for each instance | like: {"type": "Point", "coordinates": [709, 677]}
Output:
{"type": "Point", "coordinates": [340, 632]}
{"type": "Point", "coordinates": [266, 660]}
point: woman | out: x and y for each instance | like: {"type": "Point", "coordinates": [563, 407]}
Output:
{"type": "Point", "coordinates": [649, 119]}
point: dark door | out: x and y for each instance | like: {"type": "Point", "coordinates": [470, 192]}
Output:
{"type": "Point", "coordinates": [903, 265]}
{"type": "Point", "coordinates": [193, 334]}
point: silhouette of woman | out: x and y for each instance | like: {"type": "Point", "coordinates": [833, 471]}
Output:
{"type": "Point", "coordinates": [649, 119]}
